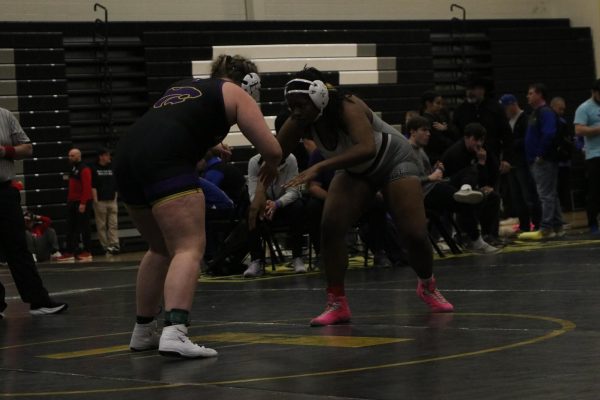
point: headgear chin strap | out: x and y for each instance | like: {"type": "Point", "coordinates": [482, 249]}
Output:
{"type": "Point", "coordinates": [316, 90]}
{"type": "Point", "coordinates": [251, 84]}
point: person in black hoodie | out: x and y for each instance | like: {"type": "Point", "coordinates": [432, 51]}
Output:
{"type": "Point", "coordinates": [524, 196]}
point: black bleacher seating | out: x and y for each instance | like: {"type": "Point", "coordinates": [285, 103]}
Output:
{"type": "Point", "coordinates": [56, 211]}
{"type": "Point", "coordinates": [215, 38]}
{"type": "Point", "coordinates": [50, 149]}
{"type": "Point", "coordinates": [42, 87]}
{"type": "Point", "coordinates": [39, 56]}
{"type": "Point", "coordinates": [44, 118]}
{"type": "Point", "coordinates": [45, 165]}
{"type": "Point", "coordinates": [41, 102]}
{"type": "Point", "coordinates": [46, 181]}
{"type": "Point", "coordinates": [45, 196]}
{"type": "Point", "coordinates": [48, 133]}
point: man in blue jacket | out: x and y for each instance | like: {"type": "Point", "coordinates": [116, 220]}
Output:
{"type": "Point", "coordinates": [541, 130]}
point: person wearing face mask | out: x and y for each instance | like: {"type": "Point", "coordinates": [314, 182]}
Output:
{"type": "Point", "coordinates": [368, 155]}
{"type": "Point", "coordinates": [587, 125]}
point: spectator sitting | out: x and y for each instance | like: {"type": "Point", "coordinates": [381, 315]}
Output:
{"type": "Point", "coordinates": [283, 207]}
{"type": "Point", "coordinates": [42, 241]}
{"type": "Point", "coordinates": [439, 195]}
{"type": "Point", "coordinates": [106, 210]}
{"type": "Point", "coordinates": [469, 166]}
{"type": "Point", "coordinates": [224, 175]}
{"type": "Point", "coordinates": [218, 206]}
{"type": "Point", "coordinates": [215, 198]}
{"type": "Point", "coordinates": [407, 116]}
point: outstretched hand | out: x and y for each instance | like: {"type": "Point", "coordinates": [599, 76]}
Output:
{"type": "Point", "coordinates": [303, 177]}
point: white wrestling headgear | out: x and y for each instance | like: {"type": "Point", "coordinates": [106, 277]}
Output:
{"type": "Point", "coordinates": [251, 84]}
{"type": "Point", "coordinates": [316, 90]}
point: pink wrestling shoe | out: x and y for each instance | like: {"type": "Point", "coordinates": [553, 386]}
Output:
{"type": "Point", "coordinates": [336, 312]}
{"type": "Point", "coordinates": [432, 297]}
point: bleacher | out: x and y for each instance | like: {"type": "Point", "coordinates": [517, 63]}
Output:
{"type": "Point", "coordinates": [50, 74]}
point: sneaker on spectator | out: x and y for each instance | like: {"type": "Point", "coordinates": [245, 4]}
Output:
{"type": "Point", "coordinates": [255, 269]}
{"type": "Point", "coordinates": [537, 235]}
{"type": "Point", "coordinates": [51, 307]}
{"type": "Point", "coordinates": [84, 256]}
{"type": "Point", "coordinates": [336, 312]}
{"type": "Point", "coordinates": [298, 265]}
{"type": "Point", "coordinates": [145, 337]}
{"type": "Point", "coordinates": [2, 314]}
{"type": "Point", "coordinates": [114, 250]}
{"type": "Point", "coordinates": [467, 195]}
{"type": "Point", "coordinates": [174, 342]}
{"type": "Point", "coordinates": [381, 260]}
{"type": "Point", "coordinates": [480, 246]}
{"type": "Point", "coordinates": [429, 293]}
{"type": "Point", "coordinates": [65, 257]}
{"type": "Point", "coordinates": [560, 232]}
{"type": "Point", "coordinates": [55, 256]}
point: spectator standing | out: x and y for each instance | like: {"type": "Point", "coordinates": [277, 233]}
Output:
{"type": "Point", "coordinates": [443, 133]}
{"type": "Point", "coordinates": [559, 106]}
{"type": "Point", "coordinates": [525, 201]}
{"type": "Point", "coordinates": [480, 107]}
{"type": "Point", "coordinates": [104, 193]}
{"type": "Point", "coordinates": [79, 199]}
{"type": "Point", "coordinates": [538, 142]}
{"type": "Point", "coordinates": [15, 145]}
{"type": "Point", "coordinates": [587, 125]}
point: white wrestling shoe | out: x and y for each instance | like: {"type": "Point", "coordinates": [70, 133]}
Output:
{"type": "Point", "coordinates": [174, 342]}
{"type": "Point", "coordinates": [145, 337]}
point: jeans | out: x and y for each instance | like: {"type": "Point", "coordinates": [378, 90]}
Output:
{"type": "Point", "coordinates": [545, 175]}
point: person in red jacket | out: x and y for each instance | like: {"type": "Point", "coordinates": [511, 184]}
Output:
{"type": "Point", "coordinates": [42, 241]}
{"type": "Point", "coordinates": [79, 205]}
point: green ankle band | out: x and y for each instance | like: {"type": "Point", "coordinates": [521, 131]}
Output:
{"type": "Point", "coordinates": [176, 317]}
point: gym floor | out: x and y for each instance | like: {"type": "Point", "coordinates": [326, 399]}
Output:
{"type": "Point", "coordinates": [525, 327]}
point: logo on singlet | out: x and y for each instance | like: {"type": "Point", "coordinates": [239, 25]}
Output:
{"type": "Point", "coordinates": [176, 95]}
